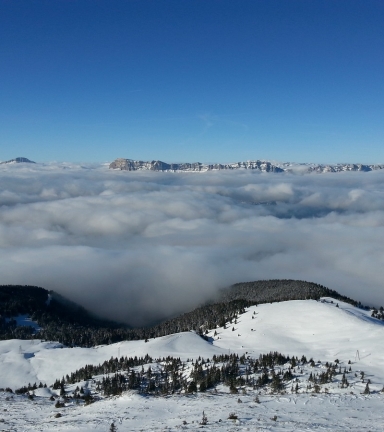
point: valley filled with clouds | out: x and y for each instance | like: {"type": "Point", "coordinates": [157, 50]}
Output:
{"type": "Point", "coordinates": [142, 246]}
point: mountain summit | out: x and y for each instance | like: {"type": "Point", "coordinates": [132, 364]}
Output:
{"type": "Point", "coordinates": [17, 160]}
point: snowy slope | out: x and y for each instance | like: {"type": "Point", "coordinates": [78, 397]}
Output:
{"type": "Point", "coordinates": [316, 329]}
{"type": "Point", "coordinates": [132, 412]}
{"type": "Point", "coordinates": [24, 362]}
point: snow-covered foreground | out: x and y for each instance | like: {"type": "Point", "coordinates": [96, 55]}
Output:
{"type": "Point", "coordinates": [315, 329]}
{"type": "Point", "coordinates": [133, 412]}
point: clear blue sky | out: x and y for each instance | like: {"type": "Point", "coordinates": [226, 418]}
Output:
{"type": "Point", "coordinates": [192, 80]}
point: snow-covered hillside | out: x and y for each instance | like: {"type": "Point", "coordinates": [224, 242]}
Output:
{"type": "Point", "coordinates": [304, 327]}
{"type": "Point", "coordinates": [317, 329]}
{"type": "Point", "coordinates": [24, 362]}
{"type": "Point", "coordinates": [324, 331]}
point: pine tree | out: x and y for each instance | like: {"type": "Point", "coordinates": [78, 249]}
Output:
{"type": "Point", "coordinates": [192, 388]}
{"type": "Point", "coordinates": [204, 420]}
{"type": "Point", "coordinates": [113, 428]}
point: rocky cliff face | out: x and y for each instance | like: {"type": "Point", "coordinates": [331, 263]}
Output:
{"type": "Point", "coordinates": [265, 166]}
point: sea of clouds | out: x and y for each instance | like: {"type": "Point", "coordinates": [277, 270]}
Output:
{"type": "Point", "coordinates": [141, 246]}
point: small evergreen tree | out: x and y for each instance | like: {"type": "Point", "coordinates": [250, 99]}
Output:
{"type": "Point", "coordinates": [192, 387]}
{"type": "Point", "coordinates": [204, 420]}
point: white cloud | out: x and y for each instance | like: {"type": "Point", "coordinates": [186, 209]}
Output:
{"type": "Point", "coordinates": [139, 246]}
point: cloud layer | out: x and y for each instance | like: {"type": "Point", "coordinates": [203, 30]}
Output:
{"type": "Point", "coordinates": [141, 246]}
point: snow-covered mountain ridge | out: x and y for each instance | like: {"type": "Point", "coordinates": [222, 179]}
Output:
{"type": "Point", "coordinates": [254, 165]}
{"type": "Point", "coordinates": [258, 165]}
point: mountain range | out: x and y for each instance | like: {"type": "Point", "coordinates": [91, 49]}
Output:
{"type": "Point", "coordinates": [254, 165]}
{"type": "Point", "coordinates": [258, 165]}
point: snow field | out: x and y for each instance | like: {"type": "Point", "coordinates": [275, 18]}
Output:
{"type": "Point", "coordinates": [133, 412]}
{"type": "Point", "coordinates": [316, 329]}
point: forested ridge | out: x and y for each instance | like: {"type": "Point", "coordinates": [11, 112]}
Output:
{"type": "Point", "coordinates": [63, 321]}
{"type": "Point", "coordinates": [276, 290]}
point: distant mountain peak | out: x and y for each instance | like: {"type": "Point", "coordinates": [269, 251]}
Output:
{"type": "Point", "coordinates": [17, 160]}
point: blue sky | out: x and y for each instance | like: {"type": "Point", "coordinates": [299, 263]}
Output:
{"type": "Point", "coordinates": [201, 80]}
